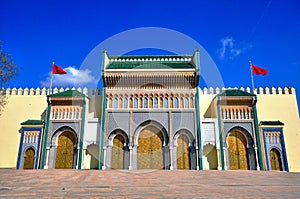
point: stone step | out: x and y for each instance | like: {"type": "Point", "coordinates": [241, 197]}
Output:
{"type": "Point", "coordinates": [147, 184]}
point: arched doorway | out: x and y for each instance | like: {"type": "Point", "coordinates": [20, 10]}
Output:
{"type": "Point", "coordinates": [275, 160]}
{"type": "Point", "coordinates": [65, 151]}
{"type": "Point", "coordinates": [183, 152]}
{"type": "Point", "coordinates": [29, 159]}
{"type": "Point", "coordinates": [237, 149]}
{"type": "Point", "coordinates": [118, 152]}
{"type": "Point", "coordinates": [150, 148]}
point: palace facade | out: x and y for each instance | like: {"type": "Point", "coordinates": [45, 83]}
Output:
{"type": "Point", "coordinates": [151, 114]}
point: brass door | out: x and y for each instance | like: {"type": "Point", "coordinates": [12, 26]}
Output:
{"type": "Point", "coordinates": [150, 149]}
{"type": "Point", "coordinates": [237, 148]}
{"type": "Point", "coordinates": [118, 152]}
{"type": "Point", "coordinates": [65, 151]}
{"type": "Point", "coordinates": [183, 152]}
{"type": "Point", "coordinates": [275, 160]}
{"type": "Point", "coordinates": [29, 159]}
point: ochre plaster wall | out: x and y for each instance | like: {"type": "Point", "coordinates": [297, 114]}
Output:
{"type": "Point", "coordinates": [283, 107]}
{"type": "Point", "coordinates": [19, 108]}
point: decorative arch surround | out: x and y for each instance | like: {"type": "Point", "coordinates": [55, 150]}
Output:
{"type": "Point", "coordinates": [59, 131]}
{"type": "Point", "coordinates": [153, 123]}
{"type": "Point", "coordinates": [117, 150]}
{"type": "Point", "coordinates": [184, 143]}
{"type": "Point", "coordinates": [31, 137]}
{"type": "Point", "coordinates": [241, 153]}
{"type": "Point", "coordinates": [274, 139]}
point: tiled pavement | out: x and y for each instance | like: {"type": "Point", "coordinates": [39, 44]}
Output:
{"type": "Point", "coordinates": [147, 184]}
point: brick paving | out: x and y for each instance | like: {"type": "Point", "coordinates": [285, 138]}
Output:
{"type": "Point", "coordinates": [147, 184]}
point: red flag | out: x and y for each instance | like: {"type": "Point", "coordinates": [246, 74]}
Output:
{"type": "Point", "coordinates": [57, 70]}
{"type": "Point", "coordinates": [258, 71]}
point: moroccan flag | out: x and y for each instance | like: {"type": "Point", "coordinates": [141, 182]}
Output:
{"type": "Point", "coordinates": [258, 71]}
{"type": "Point", "coordinates": [57, 70]}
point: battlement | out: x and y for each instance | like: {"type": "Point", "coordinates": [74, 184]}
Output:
{"type": "Point", "coordinates": [203, 91]}
{"type": "Point", "coordinates": [257, 91]}
{"type": "Point", "coordinates": [44, 91]}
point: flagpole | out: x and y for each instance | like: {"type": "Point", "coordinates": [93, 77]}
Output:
{"type": "Point", "coordinates": [50, 91]}
{"type": "Point", "coordinates": [252, 81]}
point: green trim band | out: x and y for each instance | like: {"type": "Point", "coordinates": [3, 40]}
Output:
{"type": "Point", "coordinates": [45, 135]}
{"type": "Point", "coordinates": [199, 129]}
{"type": "Point", "coordinates": [220, 134]}
{"type": "Point", "coordinates": [257, 135]}
{"type": "Point", "coordinates": [81, 134]}
{"type": "Point", "coordinates": [102, 128]}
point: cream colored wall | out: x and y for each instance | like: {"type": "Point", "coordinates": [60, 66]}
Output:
{"type": "Point", "coordinates": [205, 101]}
{"type": "Point", "coordinates": [283, 107]}
{"type": "Point", "coordinates": [19, 108]}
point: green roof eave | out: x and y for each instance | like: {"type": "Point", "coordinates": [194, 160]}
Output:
{"type": "Point", "coordinates": [235, 93]}
{"type": "Point", "coordinates": [271, 123]}
{"type": "Point", "coordinates": [33, 122]}
{"type": "Point", "coordinates": [150, 65]}
{"type": "Point", "coordinates": [68, 93]}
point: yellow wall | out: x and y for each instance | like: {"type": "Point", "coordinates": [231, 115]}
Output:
{"type": "Point", "coordinates": [283, 107]}
{"type": "Point", "coordinates": [19, 108]}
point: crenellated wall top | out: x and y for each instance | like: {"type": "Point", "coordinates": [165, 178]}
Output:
{"type": "Point", "coordinates": [203, 91]}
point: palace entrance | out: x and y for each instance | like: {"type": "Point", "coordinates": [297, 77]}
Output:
{"type": "Point", "coordinates": [275, 160]}
{"type": "Point", "coordinates": [118, 152]}
{"type": "Point", "coordinates": [237, 149]}
{"type": "Point", "coordinates": [65, 151]}
{"type": "Point", "coordinates": [150, 148]}
{"type": "Point", "coordinates": [29, 159]}
{"type": "Point", "coordinates": [183, 151]}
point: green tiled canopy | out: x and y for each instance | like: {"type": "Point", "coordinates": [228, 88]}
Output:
{"type": "Point", "coordinates": [272, 123]}
{"type": "Point", "coordinates": [150, 64]}
{"type": "Point", "coordinates": [235, 92]}
{"type": "Point", "coordinates": [68, 93]}
{"type": "Point", "coordinates": [32, 122]}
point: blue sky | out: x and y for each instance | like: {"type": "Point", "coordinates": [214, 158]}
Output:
{"type": "Point", "coordinates": [232, 32]}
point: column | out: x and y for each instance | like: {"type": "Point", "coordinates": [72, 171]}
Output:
{"type": "Point", "coordinates": [256, 158]}
{"type": "Point", "coordinates": [226, 155]}
{"type": "Point", "coordinates": [130, 158]}
{"type": "Point", "coordinates": [197, 156]}
{"type": "Point", "coordinates": [47, 158]}
{"type": "Point", "coordinates": [171, 158]}
{"type": "Point", "coordinates": [77, 162]}
{"type": "Point", "coordinates": [219, 159]}
{"type": "Point", "coordinates": [104, 158]}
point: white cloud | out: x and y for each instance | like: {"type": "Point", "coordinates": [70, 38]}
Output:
{"type": "Point", "coordinates": [230, 48]}
{"type": "Point", "coordinates": [73, 77]}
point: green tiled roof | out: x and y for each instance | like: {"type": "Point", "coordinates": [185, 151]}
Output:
{"type": "Point", "coordinates": [68, 93]}
{"type": "Point", "coordinates": [32, 122]}
{"type": "Point", "coordinates": [271, 123]}
{"type": "Point", "coordinates": [147, 65]}
{"type": "Point", "coordinates": [150, 64]}
{"type": "Point", "coordinates": [235, 92]}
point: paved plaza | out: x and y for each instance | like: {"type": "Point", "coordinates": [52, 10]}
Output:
{"type": "Point", "coordinates": [147, 184]}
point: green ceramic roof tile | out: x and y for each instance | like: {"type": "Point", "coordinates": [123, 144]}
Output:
{"type": "Point", "coordinates": [68, 93]}
{"type": "Point", "coordinates": [32, 122]}
{"type": "Point", "coordinates": [179, 63]}
{"type": "Point", "coordinates": [235, 92]}
{"type": "Point", "coordinates": [149, 65]}
{"type": "Point", "coordinates": [271, 123]}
